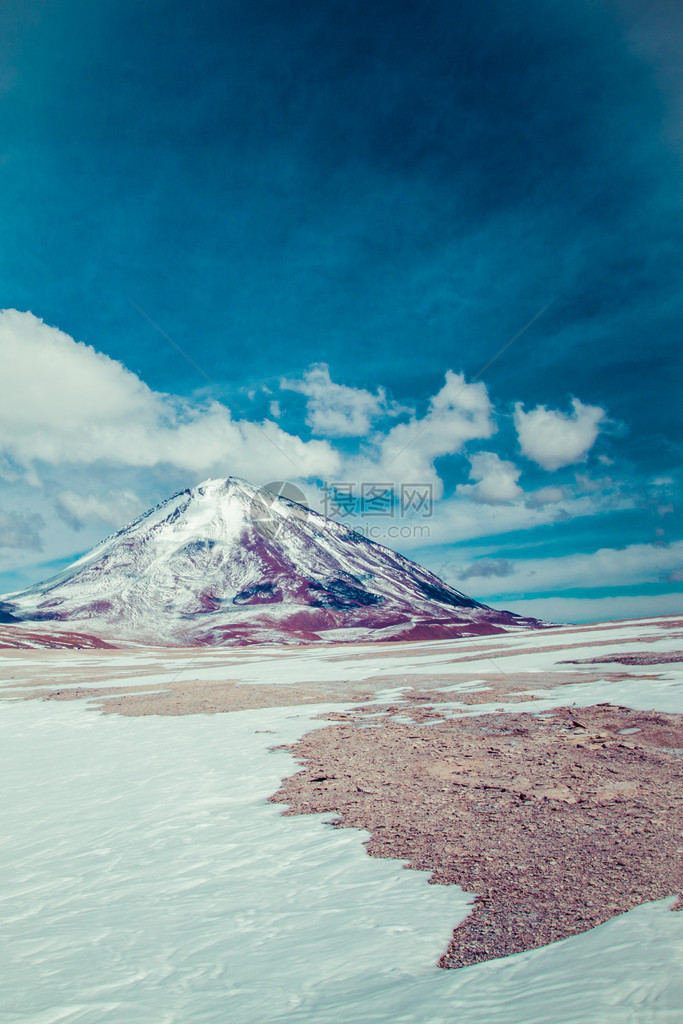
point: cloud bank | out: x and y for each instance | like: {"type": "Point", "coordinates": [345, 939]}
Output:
{"type": "Point", "coordinates": [607, 567]}
{"type": "Point", "coordinates": [82, 433]}
{"type": "Point", "coordinates": [63, 402]}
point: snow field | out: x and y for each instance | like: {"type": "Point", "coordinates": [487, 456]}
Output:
{"type": "Point", "coordinates": [144, 878]}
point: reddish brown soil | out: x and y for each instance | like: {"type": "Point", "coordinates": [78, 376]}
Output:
{"type": "Point", "coordinates": [557, 821]}
{"type": "Point", "coordinates": [640, 658]}
{"type": "Point", "coordinates": [21, 637]}
{"type": "Point", "coordinates": [191, 697]}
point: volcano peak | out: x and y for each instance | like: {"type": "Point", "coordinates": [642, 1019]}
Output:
{"type": "Point", "coordinates": [229, 563]}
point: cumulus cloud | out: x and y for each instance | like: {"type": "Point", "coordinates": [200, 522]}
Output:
{"type": "Point", "coordinates": [459, 412]}
{"type": "Point", "coordinates": [496, 480]}
{"type": "Point", "coordinates": [553, 439]}
{"type": "Point", "coordinates": [63, 402]}
{"type": "Point", "coordinates": [21, 530]}
{"type": "Point", "coordinates": [336, 410]}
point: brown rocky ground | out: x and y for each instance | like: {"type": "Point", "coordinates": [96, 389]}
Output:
{"type": "Point", "coordinates": [639, 658]}
{"type": "Point", "coordinates": [196, 697]}
{"type": "Point", "coordinates": [557, 821]}
{"type": "Point", "coordinates": [193, 697]}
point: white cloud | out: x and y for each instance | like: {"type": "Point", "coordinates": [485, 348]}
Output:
{"type": "Point", "coordinates": [598, 609]}
{"type": "Point", "coordinates": [20, 530]}
{"type": "Point", "coordinates": [63, 402]}
{"type": "Point", "coordinates": [487, 568]}
{"type": "Point", "coordinates": [80, 433]}
{"type": "Point", "coordinates": [588, 483]}
{"type": "Point", "coordinates": [608, 567]}
{"type": "Point", "coordinates": [458, 519]}
{"type": "Point", "coordinates": [459, 412]}
{"type": "Point", "coordinates": [496, 480]}
{"type": "Point", "coordinates": [553, 439]}
{"type": "Point", "coordinates": [336, 410]}
{"type": "Point", "coordinates": [114, 508]}
{"type": "Point", "coordinates": [547, 496]}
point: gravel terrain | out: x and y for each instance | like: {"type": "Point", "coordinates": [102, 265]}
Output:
{"type": "Point", "coordinates": [557, 821]}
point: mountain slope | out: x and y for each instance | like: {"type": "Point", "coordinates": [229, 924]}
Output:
{"type": "Point", "coordinates": [224, 563]}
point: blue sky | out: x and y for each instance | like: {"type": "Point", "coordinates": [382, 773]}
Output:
{"type": "Point", "coordinates": [340, 212]}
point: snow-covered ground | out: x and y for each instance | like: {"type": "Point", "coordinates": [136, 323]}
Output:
{"type": "Point", "coordinates": [144, 877]}
{"type": "Point", "coordinates": [509, 653]}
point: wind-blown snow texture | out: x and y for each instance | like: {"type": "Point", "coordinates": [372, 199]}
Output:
{"type": "Point", "coordinates": [145, 879]}
{"type": "Point", "coordinates": [223, 563]}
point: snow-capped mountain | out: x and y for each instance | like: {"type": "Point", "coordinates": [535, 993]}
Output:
{"type": "Point", "coordinates": [227, 563]}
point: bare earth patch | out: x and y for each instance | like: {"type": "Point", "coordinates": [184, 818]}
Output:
{"type": "Point", "coordinates": [641, 658]}
{"type": "Point", "coordinates": [513, 687]}
{"type": "Point", "coordinates": [196, 698]}
{"type": "Point", "coordinates": [557, 821]}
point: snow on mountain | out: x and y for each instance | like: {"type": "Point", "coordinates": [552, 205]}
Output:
{"type": "Point", "coordinates": [227, 563]}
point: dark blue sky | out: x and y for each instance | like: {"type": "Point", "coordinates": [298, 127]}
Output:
{"type": "Point", "coordinates": [392, 189]}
